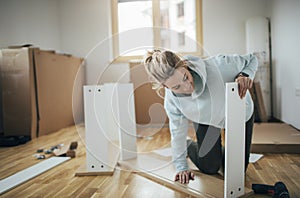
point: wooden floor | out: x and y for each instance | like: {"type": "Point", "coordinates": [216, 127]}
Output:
{"type": "Point", "coordinates": [61, 182]}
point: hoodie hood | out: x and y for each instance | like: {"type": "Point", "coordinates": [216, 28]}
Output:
{"type": "Point", "coordinates": [197, 65]}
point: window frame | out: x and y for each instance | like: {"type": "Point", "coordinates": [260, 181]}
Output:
{"type": "Point", "coordinates": [156, 33]}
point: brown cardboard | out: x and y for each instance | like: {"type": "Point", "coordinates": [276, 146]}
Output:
{"type": "Point", "coordinates": [1, 118]}
{"type": "Point", "coordinates": [17, 93]}
{"type": "Point", "coordinates": [66, 150]}
{"type": "Point", "coordinates": [55, 75]}
{"type": "Point", "coordinates": [37, 90]}
{"type": "Point", "coordinates": [33, 95]}
{"type": "Point", "coordinates": [145, 97]}
{"type": "Point", "coordinates": [275, 138]}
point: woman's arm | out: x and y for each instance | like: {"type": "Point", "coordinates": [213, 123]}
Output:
{"type": "Point", "coordinates": [240, 64]}
{"type": "Point", "coordinates": [178, 125]}
{"type": "Point", "coordinates": [240, 67]}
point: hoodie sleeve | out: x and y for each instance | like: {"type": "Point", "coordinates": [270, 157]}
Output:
{"type": "Point", "coordinates": [178, 125]}
{"type": "Point", "coordinates": [240, 63]}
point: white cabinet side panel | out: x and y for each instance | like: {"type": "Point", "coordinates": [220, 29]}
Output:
{"type": "Point", "coordinates": [234, 142]}
{"type": "Point", "coordinates": [126, 121]}
{"type": "Point", "coordinates": [98, 145]}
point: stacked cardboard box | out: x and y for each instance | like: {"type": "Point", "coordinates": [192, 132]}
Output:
{"type": "Point", "coordinates": [40, 91]}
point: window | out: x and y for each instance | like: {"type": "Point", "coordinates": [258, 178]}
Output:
{"type": "Point", "coordinates": [171, 24]}
{"type": "Point", "coordinates": [180, 9]}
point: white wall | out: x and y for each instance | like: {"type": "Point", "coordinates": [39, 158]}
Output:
{"type": "Point", "coordinates": [86, 32]}
{"type": "Point", "coordinates": [285, 31]}
{"type": "Point", "coordinates": [84, 24]}
{"type": "Point", "coordinates": [224, 24]}
{"type": "Point", "coordinates": [29, 22]}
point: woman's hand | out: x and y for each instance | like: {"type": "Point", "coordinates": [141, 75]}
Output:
{"type": "Point", "coordinates": [184, 176]}
{"type": "Point", "coordinates": [244, 83]}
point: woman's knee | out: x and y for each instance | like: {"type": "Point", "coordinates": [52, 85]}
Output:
{"type": "Point", "coordinates": [210, 168]}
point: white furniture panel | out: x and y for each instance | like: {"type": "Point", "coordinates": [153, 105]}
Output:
{"type": "Point", "coordinates": [234, 142]}
{"type": "Point", "coordinates": [110, 126]}
{"type": "Point", "coordinates": [29, 173]}
{"type": "Point", "coordinates": [125, 117]}
{"type": "Point", "coordinates": [101, 146]}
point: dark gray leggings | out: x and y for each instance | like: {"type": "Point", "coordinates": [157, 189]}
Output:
{"type": "Point", "coordinates": [210, 156]}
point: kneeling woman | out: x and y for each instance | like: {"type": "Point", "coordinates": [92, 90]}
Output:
{"type": "Point", "coordinates": [195, 91]}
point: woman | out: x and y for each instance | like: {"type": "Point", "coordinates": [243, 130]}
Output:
{"type": "Point", "coordinates": [195, 91]}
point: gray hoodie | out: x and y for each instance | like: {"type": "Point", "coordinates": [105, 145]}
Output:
{"type": "Point", "coordinates": [206, 105]}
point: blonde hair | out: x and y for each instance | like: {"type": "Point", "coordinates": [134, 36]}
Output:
{"type": "Point", "coordinates": [160, 65]}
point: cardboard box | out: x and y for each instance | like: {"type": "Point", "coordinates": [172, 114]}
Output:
{"type": "Point", "coordinates": [149, 107]}
{"type": "Point", "coordinates": [55, 76]}
{"type": "Point", "coordinates": [18, 96]}
{"type": "Point", "coordinates": [1, 117]}
{"type": "Point", "coordinates": [37, 89]}
{"type": "Point", "coordinates": [275, 138]}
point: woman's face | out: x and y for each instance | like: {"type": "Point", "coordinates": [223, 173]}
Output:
{"type": "Point", "coordinates": [181, 81]}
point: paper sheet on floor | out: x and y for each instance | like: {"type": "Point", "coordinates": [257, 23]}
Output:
{"type": "Point", "coordinates": [166, 152]}
{"type": "Point", "coordinates": [254, 157]}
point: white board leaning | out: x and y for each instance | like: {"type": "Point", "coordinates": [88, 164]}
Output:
{"type": "Point", "coordinates": [110, 128]}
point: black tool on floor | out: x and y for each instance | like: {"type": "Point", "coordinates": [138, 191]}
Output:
{"type": "Point", "coordinates": [279, 190]}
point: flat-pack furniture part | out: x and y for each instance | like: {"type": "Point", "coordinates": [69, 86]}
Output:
{"type": "Point", "coordinates": [22, 176]}
{"type": "Point", "coordinates": [110, 130]}
{"type": "Point", "coordinates": [235, 111]}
